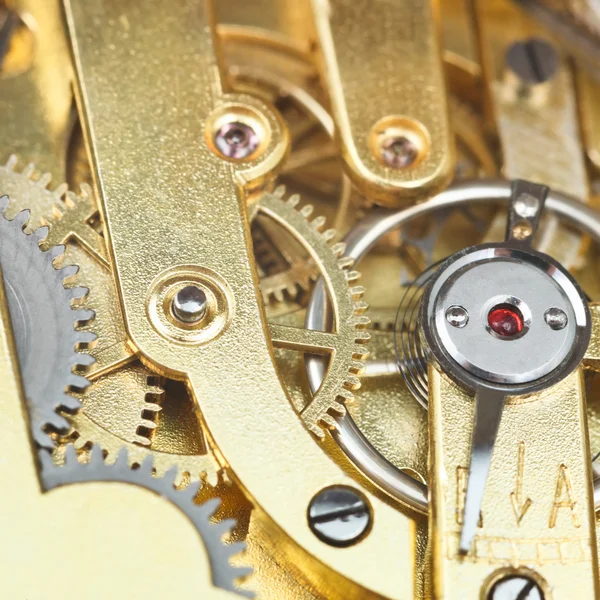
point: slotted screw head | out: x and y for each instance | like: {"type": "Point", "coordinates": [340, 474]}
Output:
{"type": "Point", "coordinates": [339, 516]}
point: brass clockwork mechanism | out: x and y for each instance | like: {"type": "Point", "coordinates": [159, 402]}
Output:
{"type": "Point", "coordinates": [299, 299]}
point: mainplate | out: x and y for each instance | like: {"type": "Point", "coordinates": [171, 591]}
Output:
{"type": "Point", "coordinates": [204, 396]}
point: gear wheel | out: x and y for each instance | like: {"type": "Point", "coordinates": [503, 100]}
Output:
{"type": "Point", "coordinates": [345, 342]}
{"type": "Point", "coordinates": [44, 323]}
{"type": "Point", "coordinates": [201, 516]}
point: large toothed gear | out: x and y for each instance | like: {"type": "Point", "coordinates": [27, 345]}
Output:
{"type": "Point", "coordinates": [214, 534]}
{"type": "Point", "coordinates": [44, 323]}
{"type": "Point", "coordinates": [344, 344]}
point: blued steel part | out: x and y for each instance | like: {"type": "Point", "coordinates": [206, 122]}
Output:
{"type": "Point", "coordinates": [35, 123]}
{"type": "Point", "coordinates": [359, 242]}
{"type": "Point", "coordinates": [411, 100]}
{"type": "Point", "coordinates": [147, 174]}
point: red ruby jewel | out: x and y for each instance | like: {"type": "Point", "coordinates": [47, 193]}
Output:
{"type": "Point", "coordinates": [505, 320]}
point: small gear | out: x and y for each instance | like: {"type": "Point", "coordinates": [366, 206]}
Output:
{"type": "Point", "coordinates": [124, 402]}
{"type": "Point", "coordinates": [113, 410]}
{"type": "Point", "coordinates": [44, 323]}
{"type": "Point", "coordinates": [72, 218]}
{"type": "Point", "coordinates": [225, 575]}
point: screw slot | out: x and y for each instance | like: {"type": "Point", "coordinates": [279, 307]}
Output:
{"type": "Point", "coordinates": [339, 516]}
{"type": "Point", "coordinates": [515, 587]}
{"type": "Point", "coordinates": [534, 61]}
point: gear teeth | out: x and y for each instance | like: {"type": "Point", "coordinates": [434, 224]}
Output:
{"type": "Point", "coordinates": [338, 249]}
{"type": "Point", "coordinates": [279, 191]}
{"type": "Point", "coordinates": [360, 352]}
{"type": "Point", "coordinates": [78, 293]}
{"type": "Point", "coordinates": [319, 222]}
{"type": "Point", "coordinates": [356, 367]}
{"type": "Point", "coordinates": [345, 262]}
{"type": "Point", "coordinates": [84, 316]}
{"type": "Point", "coordinates": [29, 170]}
{"type": "Point", "coordinates": [357, 291]}
{"type": "Point", "coordinates": [342, 376]}
{"type": "Point", "coordinates": [170, 477]}
{"type": "Point", "coordinates": [85, 360]}
{"type": "Point", "coordinates": [22, 218]}
{"type": "Point", "coordinates": [360, 307]}
{"type": "Point", "coordinates": [56, 252]}
{"type": "Point", "coordinates": [61, 190]}
{"type": "Point", "coordinates": [352, 276]}
{"type": "Point", "coordinates": [11, 163]}
{"type": "Point", "coordinates": [328, 421]}
{"type": "Point", "coordinates": [44, 180]}
{"type": "Point", "coordinates": [68, 271]}
{"type": "Point", "coordinates": [352, 382]}
{"type": "Point", "coordinates": [307, 211]}
{"type": "Point", "coordinates": [329, 235]}
{"type": "Point", "coordinates": [40, 234]}
{"type": "Point", "coordinates": [293, 200]}
{"type": "Point", "coordinates": [361, 321]}
{"type": "Point", "coordinates": [225, 574]}
{"type": "Point", "coordinates": [85, 340]}
{"type": "Point", "coordinates": [362, 337]}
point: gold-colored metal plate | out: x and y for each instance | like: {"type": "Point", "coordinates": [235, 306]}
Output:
{"type": "Point", "coordinates": [537, 516]}
{"type": "Point", "coordinates": [146, 175]}
{"type": "Point", "coordinates": [381, 62]}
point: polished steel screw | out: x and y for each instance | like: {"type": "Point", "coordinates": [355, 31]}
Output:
{"type": "Point", "coordinates": [457, 316]}
{"type": "Point", "coordinates": [189, 304]}
{"type": "Point", "coordinates": [556, 318]}
{"type": "Point", "coordinates": [339, 516]}
{"type": "Point", "coordinates": [534, 61]}
{"type": "Point", "coordinates": [236, 140]}
{"type": "Point", "coordinates": [516, 587]}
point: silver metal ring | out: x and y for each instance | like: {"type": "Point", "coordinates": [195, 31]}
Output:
{"type": "Point", "coordinates": [359, 241]}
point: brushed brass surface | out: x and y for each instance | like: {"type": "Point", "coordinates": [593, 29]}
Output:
{"type": "Point", "coordinates": [537, 511]}
{"type": "Point", "coordinates": [322, 82]}
{"type": "Point", "coordinates": [142, 175]}
{"type": "Point", "coordinates": [385, 94]}
{"type": "Point", "coordinates": [543, 115]}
